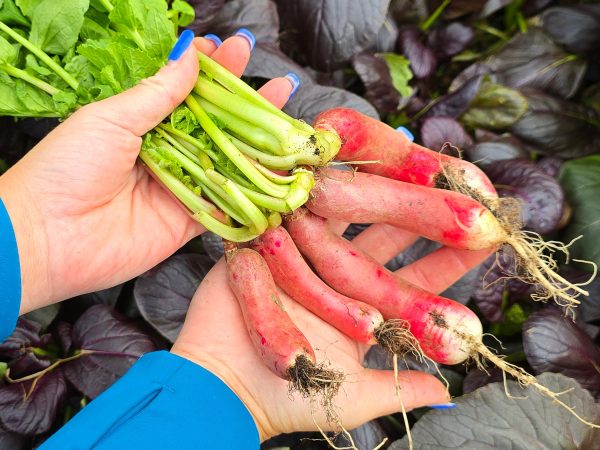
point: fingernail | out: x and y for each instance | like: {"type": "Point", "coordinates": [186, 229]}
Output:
{"type": "Point", "coordinates": [407, 133]}
{"type": "Point", "coordinates": [295, 81]}
{"type": "Point", "coordinates": [443, 406]}
{"type": "Point", "coordinates": [213, 37]}
{"type": "Point", "coordinates": [247, 34]}
{"type": "Point", "coordinates": [181, 45]}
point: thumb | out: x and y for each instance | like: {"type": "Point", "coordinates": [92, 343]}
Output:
{"type": "Point", "coordinates": [144, 106]}
{"type": "Point", "coordinates": [378, 397]}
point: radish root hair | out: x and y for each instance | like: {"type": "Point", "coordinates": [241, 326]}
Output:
{"type": "Point", "coordinates": [536, 264]}
{"type": "Point", "coordinates": [395, 337]}
{"type": "Point", "coordinates": [402, 408]}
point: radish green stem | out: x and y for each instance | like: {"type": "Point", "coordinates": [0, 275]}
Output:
{"type": "Point", "coordinates": [287, 162]}
{"type": "Point", "coordinates": [18, 73]}
{"type": "Point", "coordinates": [223, 204]}
{"type": "Point", "coordinates": [266, 201]}
{"type": "Point", "coordinates": [41, 55]}
{"type": "Point", "coordinates": [233, 153]}
{"type": "Point", "coordinates": [178, 146]}
{"type": "Point", "coordinates": [274, 177]}
{"type": "Point", "coordinates": [226, 232]}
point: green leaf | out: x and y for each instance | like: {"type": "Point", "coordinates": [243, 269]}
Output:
{"type": "Point", "coordinates": [514, 319]}
{"type": "Point", "coordinates": [28, 6]}
{"type": "Point", "coordinates": [33, 66]}
{"type": "Point", "coordinates": [65, 102]}
{"type": "Point", "coordinates": [56, 24]}
{"type": "Point", "coordinates": [495, 107]}
{"type": "Point", "coordinates": [93, 30]}
{"type": "Point", "coordinates": [400, 72]}
{"type": "Point", "coordinates": [186, 13]}
{"type": "Point", "coordinates": [184, 120]}
{"type": "Point", "coordinates": [8, 52]}
{"type": "Point", "coordinates": [580, 178]}
{"type": "Point", "coordinates": [159, 35]}
{"type": "Point", "coordinates": [11, 15]}
{"type": "Point", "coordinates": [133, 13]}
{"type": "Point", "coordinates": [33, 99]}
{"type": "Point", "coordinates": [3, 166]}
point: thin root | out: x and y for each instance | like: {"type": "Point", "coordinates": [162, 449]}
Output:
{"type": "Point", "coordinates": [395, 337]}
{"type": "Point", "coordinates": [404, 415]}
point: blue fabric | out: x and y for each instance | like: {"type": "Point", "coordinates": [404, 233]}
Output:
{"type": "Point", "coordinates": [163, 402]}
{"type": "Point", "coordinates": [10, 276]}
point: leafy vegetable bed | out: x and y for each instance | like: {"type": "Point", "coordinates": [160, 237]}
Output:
{"type": "Point", "coordinates": [516, 85]}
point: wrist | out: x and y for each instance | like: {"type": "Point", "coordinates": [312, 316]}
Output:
{"type": "Point", "coordinates": [233, 381]}
{"type": "Point", "coordinates": [29, 231]}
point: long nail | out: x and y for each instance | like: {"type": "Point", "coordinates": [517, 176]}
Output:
{"type": "Point", "coordinates": [181, 45]}
{"type": "Point", "coordinates": [443, 406]}
{"type": "Point", "coordinates": [213, 37]}
{"type": "Point", "coordinates": [407, 133]}
{"type": "Point", "coordinates": [295, 81]}
{"type": "Point", "coordinates": [247, 34]}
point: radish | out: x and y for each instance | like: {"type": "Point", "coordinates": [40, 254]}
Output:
{"type": "Point", "coordinates": [447, 331]}
{"type": "Point", "coordinates": [358, 320]}
{"type": "Point", "coordinates": [367, 139]}
{"type": "Point", "coordinates": [444, 216]}
{"type": "Point", "coordinates": [281, 345]}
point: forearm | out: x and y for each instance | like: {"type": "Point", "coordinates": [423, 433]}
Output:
{"type": "Point", "coordinates": [26, 225]}
{"type": "Point", "coordinates": [163, 401]}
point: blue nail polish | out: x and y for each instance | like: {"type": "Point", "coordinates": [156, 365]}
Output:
{"type": "Point", "coordinates": [213, 37]}
{"type": "Point", "coordinates": [443, 406]}
{"type": "Point", "coordinates": [247, 34]}
{"type": "Point", "coordinates": [407, 133]}
{"type": "Point", "coordinates": [181, 45]}
{"type": "Point", "coordinates": [295, 81]}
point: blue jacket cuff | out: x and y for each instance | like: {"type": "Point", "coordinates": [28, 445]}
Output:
{"type": "Point", "coordinates": [163, 401]}
{"type": "Point", "coordinates": [10, 276]}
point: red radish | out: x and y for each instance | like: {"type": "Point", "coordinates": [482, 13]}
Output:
{"type": "Point", "coordinates": [367, 139]}
{"type": "Point", "coordinates": [444, 328]}
{"type": "Point", "coordinates": [357, 320]}
{"type": "Point", "coordinates": [445, 216]}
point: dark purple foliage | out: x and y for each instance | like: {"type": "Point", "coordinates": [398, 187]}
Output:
{"type": "Point", "coordinates": [26, 334]}
{"type": "Point", "coordinates": [27, 364]}
{"type": "Point", "coordinates": [163, 294]}
{"type": "Point", "coordinates": [30, 409]}
{"type": "Point", "coordinates": [374, 73]}
{"type": "Point", "coordinates": [206, 10]}
{"type": "Point", "coordinates": [258, 16]}
{"type": "Point", "coordinates": [213, 245]}
{"type": "Point", "coordinates": [450, 39]}
{"type": "Point", "coordinates": [500, 148]}
{"type": "Point", "coordinates": [559, 127]}
{"type": "Point", "coordinates": [422, 60]}
{"type": "Point", "coordinates": [327, 33]}
{"type": "Point", "coordinates": [455, 103]}
{"type": "Point", "coordinates": [554, 343]}
{"type": "Point", "coordinates": [386, 37]}
{"type": "Point", "coordinates": [541, 195]}
{"type": "Point", "coordinates": [115, 344]}
{"type": "Point", "coordinates": [438, 131]}
{"type": "Point", "coordinates": [576, 27]}
{"type": "Point", "coordinates": [459, 8]}
{"type": "Point", "coordinates": [64, 336]}
{"type": "Point", "coordinates": [268, 61]}
{"type": "Point", "coordinates": [477, 378]}
{"type": "Point", "coordinates": [550, 165]}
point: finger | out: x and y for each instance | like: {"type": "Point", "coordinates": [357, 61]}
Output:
{"type": "Point", "coordinates": [383, 242]}
{"type": "Point", "coordinates": [450, 265]}
{"type": "Point", "coordinates": [277, 91]}
{"type": "Point", "coordinates": [234, 54]}
{"type": "Point", "coordinates": [337, 226]}
{"type": "Point", "coordinates": [142, 107]}
{"type": "Point", "coordinates": [206, 46]}
{"type": "Point", "coordinates": [374, 394]}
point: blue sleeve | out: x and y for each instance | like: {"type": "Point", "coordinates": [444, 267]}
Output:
{"type": "Point", "coordinates": [10, 276]}
{"type": "Point", "coordinates": [163, 402]}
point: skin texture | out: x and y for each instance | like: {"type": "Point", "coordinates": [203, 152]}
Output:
{"type": "Point", "coordinates": [432, 319]}
{"type": "Point", "coordinates": [273, 333]}
{"type": "Point", "coordinates": [355, 319]}
{"type": "Point", "coordinates": [126, 220]}
{"type": "Point", "coordinates": [367, 139]}
{"type": "Point", "coordinates": [443, 216]}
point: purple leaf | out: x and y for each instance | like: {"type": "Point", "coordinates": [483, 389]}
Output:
{"type": "Point", "coordinates": [477, 378]}
{"type": "Point", "coordinates": [439, 130]}
{"type": "Point", "coordinates": [455, 103]}
{"type": "Point", "coordinates": [422, 60]}
{"type": "Point", "coordinates": [26, 334]}
{"type": "Point", "coordinates": [64, 334]}
{"type": "Point", "coordinates": [541, 195]}
{"type": "Point", "coordinates": [500, 148]}
{"type": "Point", "coordinates": [491, 6]}
{"type": "Point", "coordinates": [213, 245]}
{"type": "Point", "coordinates": [386, 37]}
{"type": "Point", "coordinates": [115, 344]}
{"type": "Point", "coordinates": [12, 441]}
{"type": "Point", "coordinates": [575, 27]}
{"type": "Point", "coordinates": [553, 343]}
{"type": "Point", "coordinates": [326, 33]}
{"type": "Point", "coordinates": [550, 165]}
{"type": "Point", "coordinates": [374, 73]}
{"type": "Point", "coordinates": [30, 409]}
{"type": "Point", "coordinates": [531, 60]}
{"type": "Point", "coordinates": [416, 251]}
{"type": "Point", "coordinates": [164, 293]}
{"type": "Point", "coordinates": [258, 16]}
{"type": "Point", "coordinates": [450, 39]}
{"type": "Point", "coordinates": [268, 61]}
{"type": "Point", "coordinates": [27, 364]}
{"type": "Point", "coordinates": [458, 8]}
{"type": "Point", "coordinates": [558, 127]}
{"type": "Point", "coordinates": [206, 10]}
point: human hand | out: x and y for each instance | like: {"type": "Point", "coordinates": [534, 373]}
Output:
{"type": "Point", "coordinates": [86, 216]}
{"type": "Point", "coordinates": [214, 336]}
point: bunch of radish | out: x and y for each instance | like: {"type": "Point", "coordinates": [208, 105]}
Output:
{"type": "Point", "coordinates": [407, 186]}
